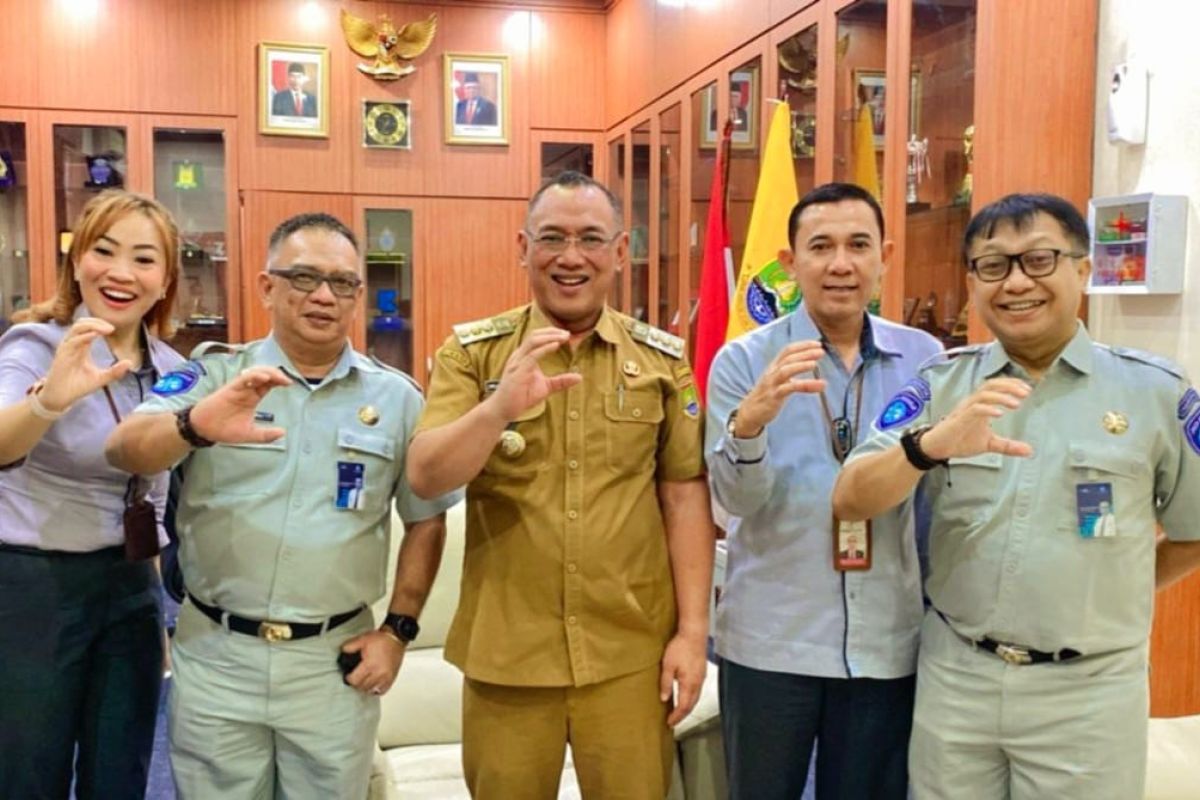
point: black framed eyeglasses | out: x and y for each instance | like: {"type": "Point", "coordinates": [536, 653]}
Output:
{"type": "Point", "coordinates": [304, 280]}
{"type": "Point", "coordinates": [1038, 263]}
{"type": "Point", "coordinates": [559, 242]}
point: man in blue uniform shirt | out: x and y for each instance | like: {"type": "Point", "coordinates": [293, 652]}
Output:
{"type": "Point", "coordinates": [817, 627]}
{"type": "Point", "coordinates": [1033, 670]}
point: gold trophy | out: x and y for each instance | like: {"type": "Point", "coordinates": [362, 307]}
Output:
{"type": "Point", "coordinates": [963, 198]}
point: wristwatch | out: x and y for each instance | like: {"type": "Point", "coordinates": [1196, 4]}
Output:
{"type": "Point", "coordinates": [183, 424]}
{"type": "Point", "coordinates": [910, 440]}
{"type": "Point", "coordinates": [404, 626]}
{"type": "Point", "coordinates": [731, 425]}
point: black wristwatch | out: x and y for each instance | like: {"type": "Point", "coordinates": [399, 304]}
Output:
{"type": "Point", "coordinates": [403, 626]}
{"type": "Point", "coordinates": [910, 440]}
{"type": "Point", "coordinates": [183, 424]}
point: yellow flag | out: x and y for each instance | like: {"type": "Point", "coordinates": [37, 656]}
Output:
{"type": "Point", "coordinates": [866, 172]}
{"type": "Point", "coordinates": [765, 291]}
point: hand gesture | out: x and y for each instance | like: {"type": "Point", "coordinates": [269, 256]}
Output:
{"type": "Point", "coordinates": [72, 373]}
{"type": "Point", "coordinates": [779, 381]}
{"type": "Point", "coordinates": [683, 666]}
{"type": "Point", "coordinates": [381, 655]}
{"type": "Point", "coordinates": [523, 384]}
{"type": "Point", "coordinates": [967, 430]}
{"type": "Point", "coordinates": [227, 415]}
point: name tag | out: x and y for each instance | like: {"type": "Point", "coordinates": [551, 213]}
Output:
{"type": "Point", "coordinates": [351, 480]}
{"type": "Point", "coordinates": [1095, 514]}
{"type": "Point", "coordinates": [851, 545]}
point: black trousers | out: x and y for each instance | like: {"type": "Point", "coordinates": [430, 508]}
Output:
{"type": "Point", "coordinates": [81, 650]}
{"type": "Point", "coordinates": [771, 719]}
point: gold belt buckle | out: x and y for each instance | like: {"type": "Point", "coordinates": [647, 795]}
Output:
{"type": "Point", "coordinates": [274, 631]}
{"type": "Point", "coordinates": [1013, 654]}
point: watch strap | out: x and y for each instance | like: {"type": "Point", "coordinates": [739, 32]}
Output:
{"type": "Point", "coordinates": [910, 440]}
{"type": "Point", "coordinates": [183, 424]}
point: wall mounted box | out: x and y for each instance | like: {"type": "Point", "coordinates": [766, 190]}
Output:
{"type": "Point", "coordinates": [1138, 244]}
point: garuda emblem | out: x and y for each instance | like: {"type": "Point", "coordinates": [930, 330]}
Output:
{"type": "Point", "coordinates": [387, 45]}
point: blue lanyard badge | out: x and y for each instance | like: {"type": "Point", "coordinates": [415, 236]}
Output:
{"type": "Point", "coordinates": [351, 478]}
{"type": "Point", "coordinates": [1094, 510]}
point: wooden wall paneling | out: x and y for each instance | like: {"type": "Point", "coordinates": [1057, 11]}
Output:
{"type": "Point", "coordinates": [653, 214]}
{"type": "Point", "coordinates": [20, 43]}
{"type": "Point", "coordinates": [229, 130]}
{"type": "Point", "coordinates": [485, 171]}
{"type": "Point", "coordinates": [539, 137]}
{"type": "Point", "coordinates": [462, 278]}
{"type": "Point", "coordinates": [630, 46]}
{"type": "Point", "coordinates": [567, 74]}
{"type": "Point", "coordinates": [261, 212]}
{"type": "Point", "coordinates": [1048, 145]}
{"type": "Point", "coordinates": [780, 10]}
{"type": "Point", "coordinates": [1175, 651]}
{"type": "Point", "coordinates": [292, 163]}
{"type": "Point", "coordinates": [895, 152]}
{"type": "Point", "coordinates": [826, 94]}
{"type": "Point", "coordinates": [720, 27]}
{"type": "Point", "coordinates": [671, 41]}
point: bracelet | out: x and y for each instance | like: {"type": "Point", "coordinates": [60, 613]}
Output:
{"type": "Point", "coordinates": [911, 442]}
{"type": "Point", "coordinates": [183, 424]}
{"type": "Point", "coordinates": [40, 411]}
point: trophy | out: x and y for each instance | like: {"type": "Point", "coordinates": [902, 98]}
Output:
{"type": "Point", "coordinates": [918, 166]}
{"type": "Point", "coordinates": [964, 193]}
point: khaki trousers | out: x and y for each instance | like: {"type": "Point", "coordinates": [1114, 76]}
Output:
{"type": "Point", "coordinates": [515, 739]}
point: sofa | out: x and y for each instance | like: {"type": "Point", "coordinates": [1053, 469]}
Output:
{"type": "Point", "coordinates": [420, 730]}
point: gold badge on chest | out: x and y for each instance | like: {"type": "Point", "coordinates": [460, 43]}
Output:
{"type": "Point", "coordinates": [631, 368]}
{"type": "Point", "coordinates": [512, 444]}
{"type": "Point", "coordinates": [367, 415]}
{"type": "Point", "coordinates": [1115, 422]}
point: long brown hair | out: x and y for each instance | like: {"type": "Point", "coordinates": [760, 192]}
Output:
{"type": "Point", "coordinates": [96, 219]}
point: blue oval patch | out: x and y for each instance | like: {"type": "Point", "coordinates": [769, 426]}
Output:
{"type": "Point", "coordinates": [176, 382]}
{"type": "Point", "coordinates": [904, 407]}
{"type": "Point", "coordinates": [1191, 431]}
{"type": "Point", "coordinates": [1189, 399]}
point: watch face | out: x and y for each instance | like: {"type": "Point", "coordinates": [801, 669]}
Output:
{"type": "Point", "coordinates": [408, 628]}
{"type": "Point", "coordinates": [386, 124]}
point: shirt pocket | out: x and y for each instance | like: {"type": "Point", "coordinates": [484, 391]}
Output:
{"type": "Point", "coordinates": [247, 469]}
{"type": "Point", "coordinates": [631, 420]}
{"type": "Point", "coordinates": [969, 494]}
{"type": "Point", "coordinates": [1094, 463]}
{"type": "Point", "coordinates": [526, 450]}
{"type": "Point", "coordinates": [377, 454]}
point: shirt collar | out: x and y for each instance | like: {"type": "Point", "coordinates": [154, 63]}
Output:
{"type": "Point", "coordinates": [874, 341]}
{"type": "Point", "coordinates": [270, 354]}
{"type": "Point", "coordinates": [1077, 354]}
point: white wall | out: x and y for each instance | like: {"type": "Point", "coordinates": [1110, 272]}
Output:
{"type": "Point", "coordinates": [1163, 35]}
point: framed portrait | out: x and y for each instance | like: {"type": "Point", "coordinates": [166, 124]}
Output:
{"type": "Point", "coordinates": [708, 116]}
{"type": "Point", "coordinates": [387, 124]}
{"type": "Point", "coordinates": [293, 89]}
{"type": "Point", "coordinates": [744, 107]}
{"type": "Point", "coordinates": [870, 88]}
{"type": "Point", "coordinates": [476, 98]}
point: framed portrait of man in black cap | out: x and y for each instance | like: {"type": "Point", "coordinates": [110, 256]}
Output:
{"type": "Point", "coordinates": [293, 95]}
{"type": "Point", "coordinates": [477, 91]}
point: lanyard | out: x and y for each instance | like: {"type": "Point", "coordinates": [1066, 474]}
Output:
{"type": "Point", "coordinates": [844, 442]}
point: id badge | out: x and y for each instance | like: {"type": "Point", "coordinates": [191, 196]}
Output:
{"type": "Point", "coordinates": [1095, 515]}
{"type": "Point", "coordinates": [351, 480]}
{"type": "Point", "coordinates": [851, 545]}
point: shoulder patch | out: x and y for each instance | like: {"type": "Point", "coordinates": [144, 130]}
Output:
{"type": "Point", "coordinates": [1187, 402]}
{"type": "Point", "coordinates": [1165, 364]}
{"type": "Point", "coordinates": [479, 330]}
{"type": "Point", "coordinates": [180, 379]}
{"type": "Point", "coordinates": [653, 337]}
{"type": "Point", "coordinates": [215, 349]}
{"type": "Point", "coordinates": [906, 405]}
{"type": "Point", "coordinates": [395, 371]}
{"type": "Point", "coordinates": [1191, 431]}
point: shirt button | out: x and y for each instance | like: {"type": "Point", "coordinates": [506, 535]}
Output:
{"type": "Point", "coordinates": [573, 464]}
{"type": "Point", "coordinates": [307, 449]}
{"type": "Point", "coordinates": [572, 568]}
{"type": "Point", "coordinates": [637, 412]}
{"type": "Point", "coordinates": [573, 414]}
{"type": "Point", "coordinates": [571, 620]}
{"type": "Point", "coordinates": [572, 514]}
{"type": "Point", "coordinates": [296, 503]}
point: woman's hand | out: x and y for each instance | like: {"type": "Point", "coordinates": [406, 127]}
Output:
{"type": "Point", "coordinates": [73, 374]}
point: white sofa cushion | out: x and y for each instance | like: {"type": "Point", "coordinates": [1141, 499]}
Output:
{"type": "Point", "coordinates": [424, 705]}
{"type": "Point", "coordinates": [435, 771]}
{"type": "Point", "coordinates": [1173, 760]}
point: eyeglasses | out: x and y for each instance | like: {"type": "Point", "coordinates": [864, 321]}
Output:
{"type": "Point", "coordinates": [558, 243]}
{"type": "Point", "coordinates": [303, 280]}
{"type": "Point", "coordinates": [1034, 263]}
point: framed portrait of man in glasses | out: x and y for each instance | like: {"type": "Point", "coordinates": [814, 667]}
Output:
{"type": "Point", "coordinates": [476, 104]}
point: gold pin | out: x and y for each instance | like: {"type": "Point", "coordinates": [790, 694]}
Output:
{"type": "Point", "coordinates": [367, 415]}
{"type": "Point", "coordinates": [512, 444]}
{"type": "Point", "coordinates": [1115, 422]}
{"type": "Point", "coordinates": [631, 369]}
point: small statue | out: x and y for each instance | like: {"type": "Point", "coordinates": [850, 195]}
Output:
{"type": "Point", "coordinates": [918, 166]}
{"type": "Point", "coordinates": [963, 198]}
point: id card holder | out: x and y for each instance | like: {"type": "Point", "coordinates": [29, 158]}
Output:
{"type": "Point", "coordinates": [851, 545]}
{"type": "Point", "coordinates": [351, 480]}
{"type": "Point", "coordinates": [1095, 515]}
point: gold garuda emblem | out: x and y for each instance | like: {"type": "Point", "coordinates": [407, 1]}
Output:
{"type": "Point", "coordinates": [388, 46]}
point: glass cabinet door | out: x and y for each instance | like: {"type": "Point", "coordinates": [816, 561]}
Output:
{"type": "Point", "coordinates": [87, 160]}
{"type": "Point", "coordinates": [14, 245]}
{"type": "Point", "coordinates": [745, 109]}
{"type": "Point", "coordinates": [798, 87]}
{"type": "Point", "coordinates": [861, 68]}
{"type": "Point", "coordinates": [616, 183]}
{"type": "Point", "coordinates": [701, 161]}
{"type": "Point", "coordinates": [189, 179]}
{"type": "Point", "coordinates": [390, 287]}
{"type": "Point", "coordinates": [639, 231]}
{"type": "Point", "coordinates": [938, 182]}
{"type": "Point", "coordinates": [669, 167]}
{"type": "Point", "coordinates": [562, 156]}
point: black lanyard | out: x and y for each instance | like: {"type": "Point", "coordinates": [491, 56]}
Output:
{"type": "Point", "coordinates": [842, 439]}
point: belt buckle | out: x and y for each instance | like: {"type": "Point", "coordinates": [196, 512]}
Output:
{"type": "Point", "coordinates": [1012, 654]}
{"type": "Point", "coordinates": [274, 631]}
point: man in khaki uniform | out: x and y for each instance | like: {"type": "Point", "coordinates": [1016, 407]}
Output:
{"type": "Point", "coordinates": [589, 538]}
